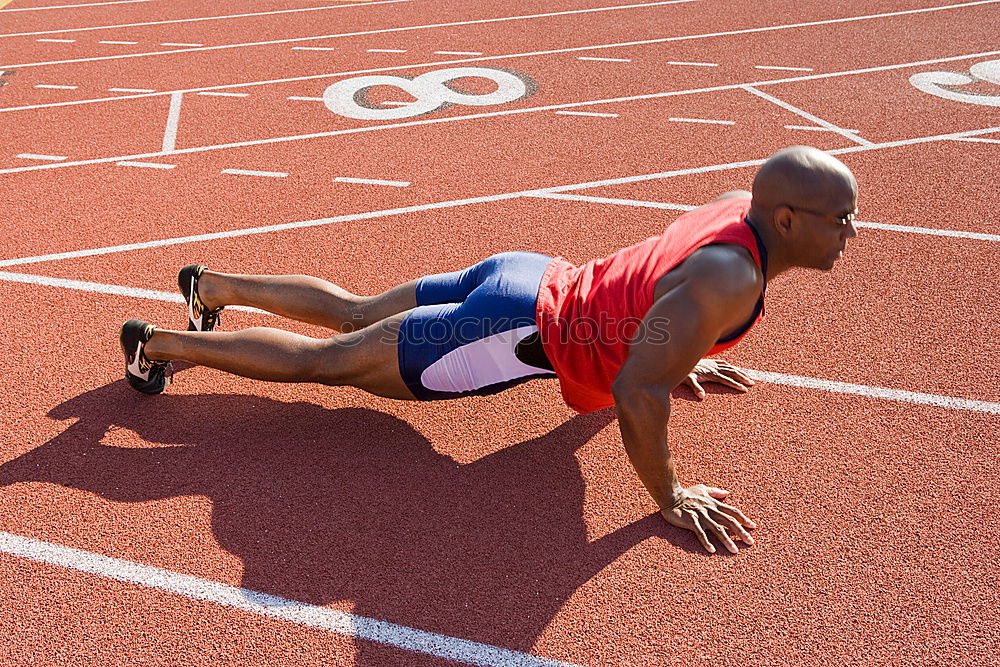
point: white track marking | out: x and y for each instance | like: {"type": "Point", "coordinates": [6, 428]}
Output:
{"type": "Point", "coordinates": [703, 120]}
{"type": "Point", "coordinates": [588, 113]}
{"type": "Point", "coordinates": [108, 41]}
{"type": "Point", "coordinates": [660, 40]}
{"type": "Point", "coordinates": [57, 41]}
{"type": "Point", "coordinates": [220, 93]}
{"type": "Point", "coordinates": [36, 156]}
{"type": "Point", "coordinates": [194, 20]}
{"type": "Point", "coordinates": [89, 4]}
{"type": "Point", "coordinates": [387, 103]}
{"type": "Point", "coordinates": [54, 86]}
{"type": "Point", "coordinates": [131, 90]}
{"type": "Point", "coordinates": [257, 230]}
{"type": "Point", "coordinates": [978, 140]}
{"type": "Point", "coordinates": [787, 69]}
{"type": "Point", "coordinates": [248, 172]}
{"type": "Point", "coordinates": [766, 82]}
{"type": "Point", "coordinates": [930, 231]}
{"type": "Point", "coordinates": [815, 128]}
{"type": "Point", "coordinates": [458, 53]}
{"type": "Point", "coordinates": [306, 99]}
{"type": "Point", "coordinates": [612, 200]}
{"type": "Point", "coordinates": [605, 60]}
{"type": "Point", "coordinates": [937, 400]}
{"type": "Point", "coordinates": [179, 44]}
{"type": "Point", "coordinates": [847, 134]}
{"type": "Point", "coordinates": [386, 50]}
{"type": "Point", "coordinates": [314, 48]}
{"type": "Point", "coordinates": [949, 402]}
{"type": "Point", "coordinates": [149, 165]}
{"type": "Point", "coordinates": [371, 181]}
{"type": "Point", "coordinates": [326, 619]}
{"type": "Point", "coordinates": [674, 62]}
{"type": "Point", "coordinates": [173, 120]}
{"type": "Point", "coordinates": [954, 233]}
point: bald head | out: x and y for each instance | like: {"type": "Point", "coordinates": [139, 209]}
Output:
{"type": "Point", "coordinates": [802, 176]}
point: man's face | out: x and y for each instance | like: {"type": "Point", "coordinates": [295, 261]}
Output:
{"type": "Point", "coordinates": [824, 232]}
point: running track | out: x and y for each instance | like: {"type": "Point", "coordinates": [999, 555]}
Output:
{"type": "Point", "coordinates": [230, 521]}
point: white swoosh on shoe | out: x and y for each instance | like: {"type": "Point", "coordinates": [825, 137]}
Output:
{"type": "Point", "coordinates": [134, 367]}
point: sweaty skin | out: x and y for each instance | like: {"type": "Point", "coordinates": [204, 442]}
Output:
{"type": "Point", "coordinates": [802, 206]}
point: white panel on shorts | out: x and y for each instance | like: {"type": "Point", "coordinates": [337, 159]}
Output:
{"type": "Point", "coordinates": [479, 364]}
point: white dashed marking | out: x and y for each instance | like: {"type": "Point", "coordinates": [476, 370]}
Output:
{"type": "Point", "coordinates": [786, 69]}
{"type": "Point", "coordinates": [219, 93]}
{"type": "Point", "coordinates": [131, 90]}
{"type": "Point", "coordinates": [245, 172]}
{"type": "Point", "coordinates": [606, 60]}
{"type": "Point", "coordinates": [54, 87]}
{"type": "Point", "coordinates": [458, 53]}
{"type": "Point", "coordinates": [148, 165]}
{"type": "Point", "coordinates": [386, 50]}
{"type": "Point", "coordinates": [178, 44]}
{"type": "Point", "coordinates": [677, 62]}
{"type": "Point", "coordinates": [109, 41]}
{"type": "Point", "coordinates": [313, 48]}
{"type": "Point", "coordinates": [60, 41]}
{"type": "Point", "coordinates": [816, 128]}
{"type": "Point", "coordinates": [371, 181]}
{"type": "Point", "coordinates": [35, 156]}
{"type": "Point", "coordinates": [702, 120]}
{"type": "Point", "coordinates": [306, 99]}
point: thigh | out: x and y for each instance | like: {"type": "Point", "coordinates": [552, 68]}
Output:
{"type": "Point", "coordinates": [457, 286]}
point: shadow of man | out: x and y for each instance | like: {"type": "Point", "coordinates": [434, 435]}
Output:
{"type": "Point", "coordinates": [354, 504]}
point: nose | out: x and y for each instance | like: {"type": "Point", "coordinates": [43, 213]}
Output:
{"type": "Point", "coordinates": [851, 231]}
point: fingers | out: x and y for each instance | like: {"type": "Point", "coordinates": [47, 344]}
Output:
{"type": "Point", "coordinates": [719, 532]}
{"type": "Point", "coordinates": [692, 381]}
{"type": "Point", "coordinates": [718, 494]}
{"type": "Point", "coordinates": [734, 525]}
{"type": "Point", "coordinates": [736, 514]}
{"type": "Point", "coordinates": [699, 531]}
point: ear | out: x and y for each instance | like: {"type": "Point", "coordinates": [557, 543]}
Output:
{"type": "Point", "coordinates": [783, 219]}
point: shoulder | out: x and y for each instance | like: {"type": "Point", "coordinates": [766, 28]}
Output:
{"type": "Point", "coordinates": [723, 270]}
{"type": "Point", "coordinates": [733, 194]}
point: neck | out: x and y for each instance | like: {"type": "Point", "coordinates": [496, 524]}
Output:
{"type": "Point", "coordinates": [777, 261]}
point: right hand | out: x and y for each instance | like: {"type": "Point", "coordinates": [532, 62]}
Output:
{"type": "Point", "coordinates": [698, 509]}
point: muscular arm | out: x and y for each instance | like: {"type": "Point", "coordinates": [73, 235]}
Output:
{"type": "Point", "coordinates": [712, 293]}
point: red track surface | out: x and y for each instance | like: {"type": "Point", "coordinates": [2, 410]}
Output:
{"type": "Point", "coordinates": [506, 520]}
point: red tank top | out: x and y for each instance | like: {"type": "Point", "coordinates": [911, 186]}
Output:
{"type": "Point", "coordinates": [588, 314]}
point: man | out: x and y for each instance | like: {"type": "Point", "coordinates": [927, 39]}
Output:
{"type": "Point", "coordinates": [623, 330]}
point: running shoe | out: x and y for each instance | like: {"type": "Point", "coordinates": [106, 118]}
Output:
{"type": "Point", "coordinates": [200, 318]}
{"type": "Point", "coordinates": [144, 374]}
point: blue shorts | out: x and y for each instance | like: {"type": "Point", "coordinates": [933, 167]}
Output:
{"type": "Point", "coordinates": [461, 337]}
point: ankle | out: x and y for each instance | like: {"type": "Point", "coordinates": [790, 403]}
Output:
{"type": "Point", "coordinates": [210, 290]}
{"type": "Point", "coordinates": [157, 347]}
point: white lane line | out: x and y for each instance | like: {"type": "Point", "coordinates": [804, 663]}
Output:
{"type": "Point", "coordinates": [458, 53]}
{"type": "Point", "coordinates": [220, 93]}
{"type": "Point", "coordinates": [248, 172]}
{"type": "Point", "coordinates": [108, 41]}
{"type": "Point", "coordinates": [57, 41]}
{"type": "Point", "coordinates": [703, 120]}
{"type": "Point", "coordinates": [929, 231]}
{"type": "Point", "coordinates": [131, 90]}
{"type": "Point", "coordinates": [196, 19]}
{"type": "Point", "coordinates": [35, 156]}
{"type": "Point", "coordinates": [371, 181]}
{"type": "Point", "coordinates": [587, 113]}
{"type": "Point", "coordinates": [391, 68]}
{"type": "Point", "coordinates": [677, 62]}
{"type": "Point", "coordinates": [787, 69]}
{"type": "Point", "coordinates": [326, 619]}
{"type": "Point", "coordinates": [173, 120]}
{"type": "Point", "coordinates": [314, 48]}
{"type": "Point", "coordinates": [179, 44]}
{"type": "Point", "coordinates": [816, 128]}
{"type": "Point", "coordinates": [605, 60]}
{"type": "Point", "coordinates": [612, 200]}
{"type": "Point", "coordinates": [949, 402]}
{"type": "Point", "coordinates": [54, 87]}
{"type": "Point", "coordinates": [978, 140]}
{"type": "Point", "coordinates": [148, 165]}
{"type": "Point", "coordinates": [213, 236]}
{"type": "Point", "coordinates": [847, 134]}
{"type": "Point", "coordinates": [306, 99]}
{"type": "Point", "coordinates": [89, 4]}
{"type": "Point", "coordinates": [387, 103]}
{"type": "Point", "coordinates": [386, 50]}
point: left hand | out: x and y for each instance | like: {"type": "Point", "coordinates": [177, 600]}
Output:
{"type": "Point", "coordinates": [716, 370]}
